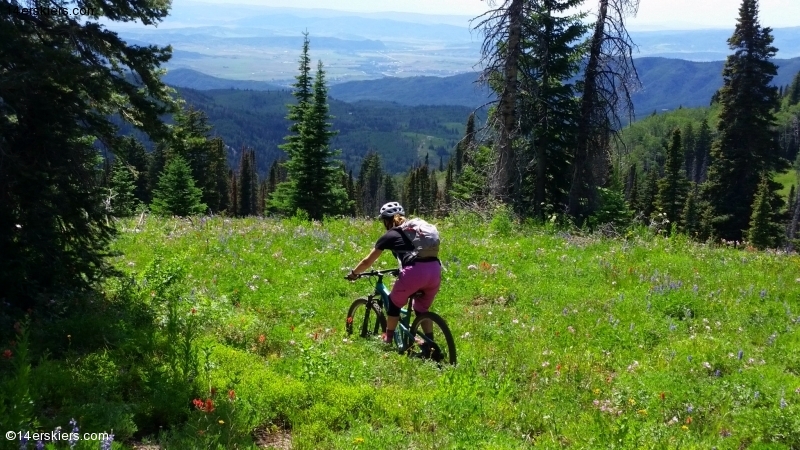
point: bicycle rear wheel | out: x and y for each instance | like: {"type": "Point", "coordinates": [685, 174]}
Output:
{"type": "Point", "coordinates": [442, 348]}
{"type": "Point", "coordinates": [365, 319]}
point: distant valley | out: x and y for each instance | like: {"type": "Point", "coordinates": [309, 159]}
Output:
{"type": "Point", "coordinates": [666, 84]}
{"type": "Point", "coordinates": [249, 42]}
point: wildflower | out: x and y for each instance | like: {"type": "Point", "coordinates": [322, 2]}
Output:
{"type": "Point", "coordinates": [106, 443]}
{"type": "Point", "coordinates": [673, 421]}
{"type": "Point", "coordinates": [631, 401]}
{"type": "Point", "coordinates": [690, 409]}
{"type": "Point", "coordinates": [596, 391]}
{"type": "Point", "coordinates": [358, 440]}
{"type": "Point", "coordinates": [689, 420]}
{"type": "Point", "coordinates": [740, 354]}
{"type": "Point", "coordinates": [571, 329]}
{"type": "Point", "coordinates": [642, 412]}
{"type": "Point", "coordinates": [231, 394]}
{"type": "Point", "coordinates": [684, 428]}
{"type": "Point", "coordinates": [707, 365]}
{"type": "Point", "coordinates": [193, 311]}
{"type": "Point", "coordinates": [783, 403]}
{"type": "Point", "coordinates": [261, 339]}
{"type": "Point", "coordinates": [221, 422]}
{"type": "Point", "coordinates": [7, 354]}
{"type": "Point", "coordinates": [40, 445]}
{"type": "Point", "coordinates": [72, 436]}
{"type": "Point", "coordinates": [662, 396]}
{"type": "Point", "coordinates": [546, 363]}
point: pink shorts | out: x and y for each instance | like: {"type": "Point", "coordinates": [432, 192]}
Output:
{"type": "Point", "coordinates": [422, 276]}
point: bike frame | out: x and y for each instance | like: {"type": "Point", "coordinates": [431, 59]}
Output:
{"type": "Point", "coordinates": [402, 335]}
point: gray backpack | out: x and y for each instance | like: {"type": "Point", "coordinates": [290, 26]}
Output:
{"type": "Point", "coordinates": [423, 236]}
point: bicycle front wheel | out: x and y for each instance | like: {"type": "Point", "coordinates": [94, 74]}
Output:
{"type": "Point", "coordinates": [433, 338]}
{"type": "Point", "coordinates": [365, 319]}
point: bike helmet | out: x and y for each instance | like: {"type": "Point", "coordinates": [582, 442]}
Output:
{"type": "Point", "coordinates": [390, 209]}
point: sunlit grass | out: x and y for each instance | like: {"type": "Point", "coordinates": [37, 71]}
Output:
{"type": "Point", "coordinates": [563, 340]}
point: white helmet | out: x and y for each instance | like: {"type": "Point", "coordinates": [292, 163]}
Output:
{"type": "Point", "coordinates": [390, 209]}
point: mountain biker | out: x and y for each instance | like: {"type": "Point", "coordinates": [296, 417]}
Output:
{"type": "Point", "coordinates": [416, 274]}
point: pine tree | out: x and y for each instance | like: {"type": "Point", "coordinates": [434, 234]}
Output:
{"type": "Point", "coordinates": [689, 149]}
{"type": "Point", "coordinates": [314, 179]}
{"type": "Point", "coordinates": [793, 91]}
{"type": "Point", "coordinates": [671, 198]}
{"type": "Point", "coordinates": [690, 219]}
{"type": "Point", "coordinates": [176, 194]}
{"type": "Point", "coordinates": [262, 198]}
{"type": "Point", "coordinates": [448, 186]}
{"type": "Point", "coordinates": [763, 232]}
{"type": "Point", "coordinates": [647, 201]}
{"type": "Point", "coordinates": [389, 189]}
{"type": "Point", "coordinates": [433, 194]}
{"type": "Point", "coordinates": [217, 192]}
{"type": "Point", "coordinates": [369, 182]}
{"type": "Point", "coordinates": [234, 200]}
{"type": "Point", "coordinates": [551, 59]}
{"type": "Point", "coordinates": [135, 156]}
{"type": "Point", "coordinates": [122, 188]}
{"type": "Point", "coordinates": [64, 79]}
{"type": "Point", "coordinates": [746, 145]}
{"type": "Point", "coordinates": [247, 183]}
{"type": "Point", "coordinates": [702, 156]}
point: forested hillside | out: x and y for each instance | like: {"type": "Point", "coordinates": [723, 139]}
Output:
{"type": "Point", "coordinates": [401, 134]}
{"type": "Point", "coordinates": [666, 84]}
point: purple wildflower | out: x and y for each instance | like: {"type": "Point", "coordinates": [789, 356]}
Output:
{"type": "Point", "coordinates": [756, 395]}
{"type": "Point", "coordinates": [23, 442]}
{"type": "Point", "coordinates": [73, 437]}
{"type": "Point", "coordinates": [106, 443]}
{"type": "Point", "coordinates": [741, 354]}
{"type": "Point", "coordinates": [689, 358]}
{"type": "Point", "coordinates": [39, 445]}
{"type": "Point", "coordinates": [690, 409]}
{"type": "Point", "coordinates": [783, 403]}
{"type": "Point", "coordinates": [763, 293]}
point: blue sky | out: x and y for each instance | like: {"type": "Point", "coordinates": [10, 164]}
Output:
{"type": "Point", "coordinates": [653, 14]}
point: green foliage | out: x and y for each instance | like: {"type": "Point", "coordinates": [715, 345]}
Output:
{"type": "Point", "coordinates": [746, 145]}
{"type": "Point", "coordinates": [315, 186]}
{"type": "Point", "coordinates": [176, 193]}
{"type": "Point", "coordinates": [671, 197]}
{"type": "Point", "coordinates": [122, 190]}
{"type": "Point", "coordinates": [63, 79]}
{"type": "Point", "coordinates": [763, 232]}
{"type": "Point", "coordinates": [612, 209]}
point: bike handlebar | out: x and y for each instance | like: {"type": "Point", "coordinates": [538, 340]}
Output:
{"type": "Point", "coordinates": [375, 273]}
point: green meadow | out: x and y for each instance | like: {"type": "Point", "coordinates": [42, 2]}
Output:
{"type": "Point", "coordinates": [229, 333]}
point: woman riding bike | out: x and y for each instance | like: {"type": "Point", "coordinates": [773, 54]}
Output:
{"type": "Point", "coordinates": [416, 274]}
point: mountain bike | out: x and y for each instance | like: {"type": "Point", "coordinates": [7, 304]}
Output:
{"type": "Point", "coordinates": [366, 318]}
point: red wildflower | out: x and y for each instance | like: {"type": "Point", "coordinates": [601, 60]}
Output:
{"type": "Point", "coordinates": [7, 354]}
{"type": "Point", "coordinates": [194, 310]}
{"type": "Point", "coordinates": [231, 394]}
{"type": "Point", "coordinates": [689, 420]}
{"type": "Point", "coordinates": [209, 405]}
{"type": "Point", "coordinates": [349, 322]}
{"type": "Point", "coordinates": [316, 336]}
{"type": "Point", "coordinates": [662, 395]}
{"type": "Point", "coordinates": [261, 338]}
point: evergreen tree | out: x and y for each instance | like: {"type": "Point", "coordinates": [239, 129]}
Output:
{"type": "Point", "coordinates": [368, 186]}
{"type": "Point", "coordinates": [63, 78]}
{"type": "Point", "coordinates": [689, 149]}
{"type": "Point", "coordinates": [647, 199]}
{"type": "Point", "coordinates": [135, 157]}
{"type": "Point", "coordinates": [448, 186]}
{"type": "Point", "coordinates": [389, 190]}
{"type": "Point", "coordinates": [702, 156]}
{"type": "Point", "coordinates": [233, 200]}
{"type": "Point", "coordinates": [690, 221]}
{"type": "Point", "coordinates": [122, 188]}
{"type": "Point", "coordinates": [247, 184]}
{"type": "Point", "coordinates": [548, 104]}
{"type": "Point", "coordinates": [793, 91]}
{"type": "Point", "coordinates": [433, 194]}
{"type": "Point", "coordinates": [314, 179]}
{"type": "Point", "coordinates": [746, 145]}
{"type": "Point", "coordinates": [156, 164]}
{"type": "Point", "coordinates": [176, 194]}
{"type": "Point", "coordinates": [217, 192]}
{"type": "Point", "coordinates": [763, 232]}
{"type": "Point", "coordinates": [262, 198]}
{"type": "Point", "coordinates": [671, 198]}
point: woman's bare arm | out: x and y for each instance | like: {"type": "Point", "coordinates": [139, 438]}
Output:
{"type": "Point", "coordinates": [368, 261]}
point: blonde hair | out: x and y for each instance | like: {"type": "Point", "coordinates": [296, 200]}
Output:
{"type": "Point", "coordinates": [397, 220]}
